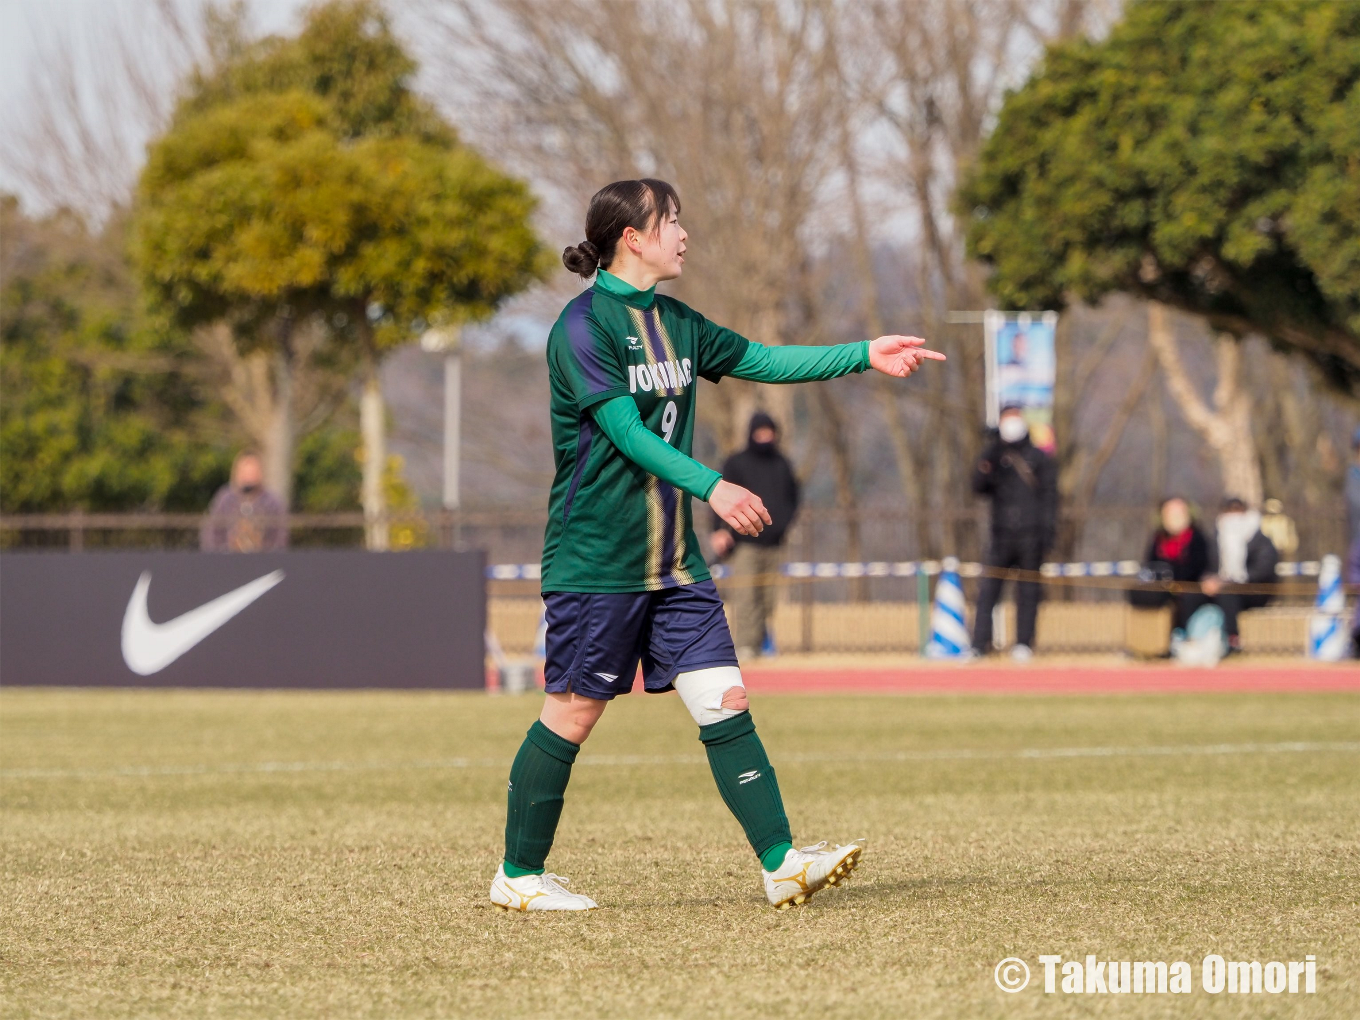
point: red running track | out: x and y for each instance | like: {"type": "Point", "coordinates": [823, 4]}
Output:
{"type": "Point", "coordinates": [1054, 680]}
{"type": "Point", "coordinates": [1066, 679]}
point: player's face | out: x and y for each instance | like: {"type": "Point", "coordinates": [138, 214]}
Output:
{"type": "Point", "coordinates": [663, 249]}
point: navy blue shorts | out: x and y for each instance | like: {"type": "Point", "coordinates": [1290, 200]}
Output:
{"type": "Point", "coordinates": [595, 639]}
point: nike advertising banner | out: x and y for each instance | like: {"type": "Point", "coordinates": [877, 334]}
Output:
{"type": "Point", "coordinates": [293, 619]}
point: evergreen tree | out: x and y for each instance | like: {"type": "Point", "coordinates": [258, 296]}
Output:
{"type": "Point", "coordinates": [1205, 155]}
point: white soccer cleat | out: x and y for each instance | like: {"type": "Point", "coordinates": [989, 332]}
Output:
{"type": "Point", "coordinates": [807, 870]}
{"type": "Point", "coordinates": [536, 892]}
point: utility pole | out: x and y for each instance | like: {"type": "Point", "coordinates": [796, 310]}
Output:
{"type": "Point", "coordinates": [446, 341]}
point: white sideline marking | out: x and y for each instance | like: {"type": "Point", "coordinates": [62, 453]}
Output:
{"type": "Point", "coordinates": [960, 754]}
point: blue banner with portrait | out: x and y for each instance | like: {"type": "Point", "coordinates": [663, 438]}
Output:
{"type": "Point", "coordinates": [1022, 369]}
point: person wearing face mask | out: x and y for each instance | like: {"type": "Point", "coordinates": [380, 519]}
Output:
{"type": "Point", "coordinates": [763, 469]}
{"type": "Point", "coordinates": [1245, 557]}
{"type": "Point", "coordinates": [1021, 481]}
{"type": "Point", "coordinates": [244, 515]}
{"type": "Point", "coordinates": [1178, 551]}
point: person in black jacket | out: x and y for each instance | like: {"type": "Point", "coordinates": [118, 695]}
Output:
{"type": "Point", "coordinates": [763, 469]}
{"type": "Point", "coordinates": [1245, 556]}
{"type": "Point", "coordinates": [1177, 551]}
{"type": "Point", "coordinates": [1021, 481]}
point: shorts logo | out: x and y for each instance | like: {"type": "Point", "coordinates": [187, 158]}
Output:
{"type": "Point", "coordinates": [747, 777]}
{"type": "Point", "coordinates": [610, 677]}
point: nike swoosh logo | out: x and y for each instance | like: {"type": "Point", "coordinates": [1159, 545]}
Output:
{"type": "Point", "coordinates": [149, 647]}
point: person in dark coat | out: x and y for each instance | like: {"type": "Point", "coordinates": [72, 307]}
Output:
{"type": "Point", "coordinates": [1021, 481]}
{"type": "Point", "coordinates": [1353, 577]}
{"type": "Point", "coordinates": [763, 469]}
{"type": "Point", "coordinates": [1178, 551]}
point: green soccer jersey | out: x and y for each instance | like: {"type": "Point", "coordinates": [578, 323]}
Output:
{"type": "Point", "coordinates": [612, 527]}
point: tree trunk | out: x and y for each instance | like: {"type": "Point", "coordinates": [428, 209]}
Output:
{"type": "Point", "coordinates": [259, 389]}
{"type": "Point", "coordinates": [1226, 428]}
{"type": "Point", "coordinates": [373, 428]}
{"type": "Point", "coordinates": [277, 446]}
{"type": "Point", "coordinates": [838, 443]}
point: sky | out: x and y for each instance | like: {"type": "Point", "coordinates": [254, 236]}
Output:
{"type": "Point", "coordinates": [30, 29]}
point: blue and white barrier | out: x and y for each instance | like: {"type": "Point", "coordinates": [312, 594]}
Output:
{"type": "Point", "coordinates": [1328, 636]}
{"type": "Point", "coordinates": [948, 622]}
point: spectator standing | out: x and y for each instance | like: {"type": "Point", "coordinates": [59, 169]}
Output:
{"type": "Point", "coordinates": [763, 469]}
{"type": "Point", "coordinates": [1179, 551]}
{"type": "Point", "coordinates": [1353, 577]}
{"type": "Point", "coordinates": [244, 515]}
{"type": "Point", "coordinates": [1245, 557]}
{"type": "Point", "coordinates": [1353, 490]}
{"type": "Point", "coordinates": [1021, 481]}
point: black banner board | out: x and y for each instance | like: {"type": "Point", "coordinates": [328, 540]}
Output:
{"type": "Point", "coordinates": [321, 619]}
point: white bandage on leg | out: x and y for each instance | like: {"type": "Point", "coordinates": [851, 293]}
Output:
{"type": "Point", "coordinates": [702, 692]}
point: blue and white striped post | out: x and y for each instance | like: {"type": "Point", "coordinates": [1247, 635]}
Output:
{"type": "Point", "coordinates": [1328, 636]}
{"type": "Point", "coordinates": [949, 627]}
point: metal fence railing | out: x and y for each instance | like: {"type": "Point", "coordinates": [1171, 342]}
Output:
{"type": "Point", "coordinates": [515, 536]}
{"type": "Point", "coordinates": [851, 583]}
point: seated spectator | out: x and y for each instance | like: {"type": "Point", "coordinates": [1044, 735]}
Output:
{"type": "Point", "coordinates": [1245, 557]}
{"type": "Point", "coordinates": [244, 516]}
{"type": "Point", "coordinates": [1178, 552]}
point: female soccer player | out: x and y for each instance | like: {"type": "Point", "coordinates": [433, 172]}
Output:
{"type": "Point", "coordinates": [623, 575]}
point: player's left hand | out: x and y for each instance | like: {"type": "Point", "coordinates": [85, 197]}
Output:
{"type": "Point", "coordinates": [900, 355]}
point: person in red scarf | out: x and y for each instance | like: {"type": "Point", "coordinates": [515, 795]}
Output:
{"type": "Point", "coordinates": [1179, 551]}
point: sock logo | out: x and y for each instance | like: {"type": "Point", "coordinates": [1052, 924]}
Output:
{"type": "Point", "coordinates": [747, 777]}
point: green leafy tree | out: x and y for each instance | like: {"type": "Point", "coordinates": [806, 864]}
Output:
{"type": "Point", "coordinates": [306, 181]}
{"type": "Point", "coordinates": [1204, 155]}
{"type": "Point", "coordinates": [99, 409]}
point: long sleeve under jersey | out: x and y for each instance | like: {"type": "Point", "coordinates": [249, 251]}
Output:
{"type": "Point", "coordinates": [794, 364]}
{"type": "Point", "coordinates": [621, 423]}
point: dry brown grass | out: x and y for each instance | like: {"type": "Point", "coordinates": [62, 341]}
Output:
{"type": "Point", "coordinates": [157, 865]}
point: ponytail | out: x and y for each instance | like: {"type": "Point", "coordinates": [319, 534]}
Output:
{"type": "Point", "coordinates": [582, 259]}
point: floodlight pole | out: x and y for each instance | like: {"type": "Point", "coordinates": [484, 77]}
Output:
{"type": "Point", "coordinates": [446, 340]}
{"type": "Point", "coordinates": [453, 420]}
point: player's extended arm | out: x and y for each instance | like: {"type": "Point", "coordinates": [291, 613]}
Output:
{"type": "Point", "coordinates": [794, 364]}
{"type": "Point", "coordinates": [620, 422]}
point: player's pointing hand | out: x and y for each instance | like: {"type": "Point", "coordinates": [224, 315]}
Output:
{"type": "Point", "coordinates": [900, 355]}
{"type": "Point", "coordinates": [741, 508]}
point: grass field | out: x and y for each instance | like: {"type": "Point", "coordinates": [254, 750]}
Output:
{"type": "Point", "coordinates": [327, 855]}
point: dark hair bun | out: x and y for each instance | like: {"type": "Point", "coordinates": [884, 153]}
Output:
{"type": "Point", "coordinates": [583, 259]}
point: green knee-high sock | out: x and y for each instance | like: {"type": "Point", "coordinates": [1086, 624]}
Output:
{"type": "Point", "coordinates": [538, 780]}
{"type": "Point", "coordinates": [747, 783]}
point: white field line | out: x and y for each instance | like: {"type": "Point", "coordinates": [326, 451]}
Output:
{"type": "Point", "coordinates": [613, 760]}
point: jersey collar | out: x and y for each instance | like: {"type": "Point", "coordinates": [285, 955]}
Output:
{"type": "Point", "coordinates": [606, 282]}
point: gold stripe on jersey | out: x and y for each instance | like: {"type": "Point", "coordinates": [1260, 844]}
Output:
{"type": "Point", "coordinates": [678, 571]}
{"type": "Point", "coordinates": [656, 525]}
{"type": "Point", "coordinates": [672, 385]}
{"type": "Point", "coordinates": [665, 337]}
